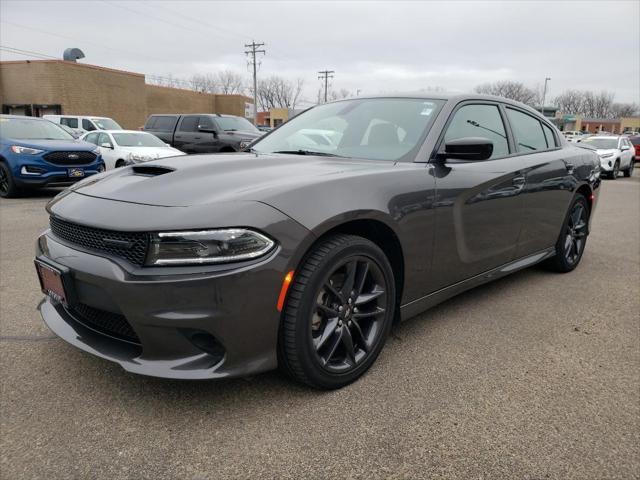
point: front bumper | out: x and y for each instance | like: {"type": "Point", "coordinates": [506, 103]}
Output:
{"type": "Point", "coordinates": [189, 322]}
{"type": "Point", "coordinates": [606, 164]}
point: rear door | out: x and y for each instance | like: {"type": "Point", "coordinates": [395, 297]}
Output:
{"type": "Point", "coordinates": [479, 204]}
{"type": "Point", "coordinates": [550, 182]}
{"type": "Point", "coordinates": [162, 126]}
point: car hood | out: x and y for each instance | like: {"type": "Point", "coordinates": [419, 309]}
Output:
{"type": "Point", "coordinates": [157, 152]}
{"type": "Point", "coordinates": [202, 179]}
{"type": "Point", "coordinates": [245, 134]}
{"type": "Point", "coordinates": [604, 151]}
{"type": "Point", "coordinates": [75, 145]}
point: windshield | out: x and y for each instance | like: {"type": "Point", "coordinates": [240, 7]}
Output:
{"type": "Point", "coordinates": [231, 124]}
{"type": "Point", "coordinates": [106, 124]}
{"type": "Point", "coordinates": [376, 129]}
{"type": "Point", "coordinates": [137, 140]}
{"type": "Point", "coordinates": [602, 143]}
{"type": "Point", "coordinates": [31, 129]}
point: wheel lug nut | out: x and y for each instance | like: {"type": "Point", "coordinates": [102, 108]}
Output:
{"type": "Point", "coordinates": [340, 308]}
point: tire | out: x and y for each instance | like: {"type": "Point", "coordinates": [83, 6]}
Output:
{"type": "Point", "coordinates": [332, 332]}
{"type": "Point", "coordinates": [615, 171]}
{"type": "Point", "coordinates": [119, 163]}
{"type": "Point", "coordinates": [575, 229]}
{"type": "Point", "coordinates": [629, 171]}
{"type": "Point", "coordinates": [8, 188]}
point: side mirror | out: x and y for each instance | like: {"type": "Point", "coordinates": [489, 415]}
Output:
{"type": "Point", "coordinates": [625, 148]}
{"type": "Point", "coordinates": [468, 148]}
{"type": "Point", "coordinates": [106, 145]}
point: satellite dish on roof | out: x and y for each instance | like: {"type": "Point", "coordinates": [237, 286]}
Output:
{"type": "Point", "coordinates": [72, 54]}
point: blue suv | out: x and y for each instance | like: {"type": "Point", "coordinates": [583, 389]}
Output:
{"type": "Point", "coordinates": [38, 153]}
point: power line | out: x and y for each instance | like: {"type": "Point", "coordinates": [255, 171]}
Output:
{"type": "Point", "coordinates": [254, 49]}
{"type": "Point", "coordinates": [26, 53]}
{"type": "Point", "coordinates": [325, 75]}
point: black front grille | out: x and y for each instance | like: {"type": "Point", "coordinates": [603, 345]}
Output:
{"type": "Point", "coordinates": [102, 321]}
{"type": "Point", "coordinates": [131, 246]}
{"type": "Point", "coordinates": [70, 158]}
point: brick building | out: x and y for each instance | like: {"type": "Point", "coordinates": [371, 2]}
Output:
{"type": "Point", "coordinates": [38, 87]}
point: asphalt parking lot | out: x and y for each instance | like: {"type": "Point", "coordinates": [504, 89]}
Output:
{"type": "Point", "coordinates": [535, 376]}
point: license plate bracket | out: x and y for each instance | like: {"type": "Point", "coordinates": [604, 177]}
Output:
{"type": "Point", "coordinates": [75, 172]}
{"type": "Point", "coordinates": [55, 282]}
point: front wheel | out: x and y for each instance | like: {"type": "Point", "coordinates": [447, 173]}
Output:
{"type": "Point", "coordinates": [8, 188]}
{"type": "Point", "coordinates": [573, 237]}
{"type": "Point", "coordinates": [616, 170]}
{"type": "Point", "coordinates": [629, 171]}
{"type": "Point", "coordinates": [338, 313]}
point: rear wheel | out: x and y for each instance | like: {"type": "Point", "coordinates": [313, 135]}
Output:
{"type": "Point", "coordinates": [573, 237]}
{"type": "Point", "coordinates": [629, 171]}
{"type": "Point", "coordinates": [120, 163]}
{"type": "Point", "coordinates": [8, 187]}
{"type": "Point", "coordinates": [339, 312]}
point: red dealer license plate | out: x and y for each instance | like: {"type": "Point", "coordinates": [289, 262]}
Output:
{"type": "Point", "coordinates": [51, 282]}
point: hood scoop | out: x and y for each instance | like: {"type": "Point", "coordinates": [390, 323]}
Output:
{"type": "Point", "coordinates": [150, 170]}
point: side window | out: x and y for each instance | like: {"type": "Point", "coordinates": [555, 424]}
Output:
{"type": "Point", "coordinates": [206, 122]}
{"type": "Point", "coordinates": [151, 121]}
{"type": "Point", "coordinates": [551, 139]}
{"type": "Point", "coordinates": [69, 122]}
{"type": "Point", "coordinates": [92, 138]}
{"type": "Point", "coordinates": [479, 121]}
{"type": "Point", "coordinates": [104, 138]}
{"type": "Point", "coordinates": [189, 124]}
{"type": "Point", "coordinates": [164, 124]}
{"type": "Point", "coordinates": [87, 125]}
{"type": "Point", "coordinates": [527, 130]}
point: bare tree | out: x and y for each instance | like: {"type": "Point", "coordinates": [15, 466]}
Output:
{"type": "Point", "coordinates": [569, 101]}
{"type": "Point", "coordinates": [204, 83]}
{"type": "Point", "coordinates": [277, 92]}
{"type": "Point", "coordinates": [229, 82]}
{"type": "Point", "coordinates": [621, 110]}
{"type": "Point", "coordinates": [509, 89]}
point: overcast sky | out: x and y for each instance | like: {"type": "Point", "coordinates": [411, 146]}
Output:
{"type": "Point", "coordinates": [372, 46]}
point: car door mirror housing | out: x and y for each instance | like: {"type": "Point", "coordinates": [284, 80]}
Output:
{"type": "Point", "coordinates": [106, 145]}
{"type": "Point", "coordinates": [468, 148]}
{"type": "Point", "coordinates": [207, 129]}
{"type": "Point", "coordinates": [624, 148]}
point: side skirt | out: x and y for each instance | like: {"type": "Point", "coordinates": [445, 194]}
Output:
{"type": "Point", "coordinates": [418, 306]}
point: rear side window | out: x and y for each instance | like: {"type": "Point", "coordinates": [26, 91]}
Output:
{"type": "Point", "coordinates": [479, 121]}
{"type": "Point", "coordinates": [87, 125]}
{"type": "Point", "coordinates": [527, 131]}
{"type": "Point", "coordinates": [189, 124]}
{"type": "Point", "coordinates": [92, 138]}
{"type": "Point", "coordinates": [206, 122]}
{"type": "Point", "coordinates": [548, 135]}
{"type": "Point", "coordinates": [69, 122]}
{"type": "Point", "coordinates": [163, 123]}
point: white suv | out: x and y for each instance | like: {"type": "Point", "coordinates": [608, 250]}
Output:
{"type": "Point", "coordinates": [616, 154]}
{"type": "Point", "coordinates": [82, 124]}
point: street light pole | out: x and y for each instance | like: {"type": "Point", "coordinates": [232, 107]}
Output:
{"type": "Point", "coordinates": [544, 94]}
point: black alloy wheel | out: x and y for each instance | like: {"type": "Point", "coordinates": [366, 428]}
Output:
{"type": "Point", "coordinates": [573, 237]}
{"type": "Point", "coordinates": [8, 188]}
{"type": "Point", "coordinates": [338, 313]}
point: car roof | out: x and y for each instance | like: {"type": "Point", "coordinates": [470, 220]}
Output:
{"type": "Point", "coordinates": [23, 117]}
{"type": "Point", "coordinates": [192, 114]}
{"type": "Point", "coordinates": [608, 137]}
{"type": "Point", "coordinates": [121, 131]}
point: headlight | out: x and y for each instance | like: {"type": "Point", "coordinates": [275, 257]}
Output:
{"type": "Point", "coordinates": [245, 143]}
{"type": "Point", "coordinates": [606, 155]}
{"type": "Point", "coordinates": [25, 150]}
{"type": "Point", "coordinates": [207, 246]}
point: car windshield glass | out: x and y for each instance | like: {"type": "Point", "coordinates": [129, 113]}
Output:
{"type": "Point", "coordinates": [602, 143]}
{"type": "Point", "coordinates": [137, 140]}
{"type": "Point", "coordinates": [376, 129]}
{"type": "Point", "coordinates": [106, 124]}
{"type": "Point", "coordinates": [231, 124]}
{"type": "Point", "coordinates": [27, 129]}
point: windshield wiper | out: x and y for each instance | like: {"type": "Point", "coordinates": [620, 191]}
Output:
{"type": "Point", "coordinates": [309, 152]}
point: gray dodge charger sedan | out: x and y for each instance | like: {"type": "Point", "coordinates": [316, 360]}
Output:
{"type": "Point", "coordinates": [301, 252]}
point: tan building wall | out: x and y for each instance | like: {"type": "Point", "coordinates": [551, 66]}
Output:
{"type": "Point", "coordinates": [278, 116]}
{"type": "Point", "coordinates": [630, 123]}
{"type": "Point", "coordinates": [81, 89]}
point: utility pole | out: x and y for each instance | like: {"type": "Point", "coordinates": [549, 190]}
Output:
{"type": "Point", "coordinates": [325, 75]}
{"type": "Point", "coordinates": [544, 94]}
{"type": "Point", "coordinates": [253, 50]}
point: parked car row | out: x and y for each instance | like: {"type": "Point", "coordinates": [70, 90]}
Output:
{"type": "Point", "coordinates": [616, 152]}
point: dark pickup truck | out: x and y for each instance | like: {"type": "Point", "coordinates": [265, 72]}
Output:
{"type": "Point", "coordinates": [203, 133]}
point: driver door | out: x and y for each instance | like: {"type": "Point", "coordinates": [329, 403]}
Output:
{"type": "Point", "coordinates": [478, 205]}
{"type": "Point", "coordinates": [108, 153]}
